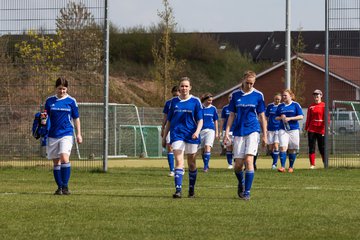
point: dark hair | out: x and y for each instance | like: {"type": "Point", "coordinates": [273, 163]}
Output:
{"type": "Point", "coordinates": [206, 96]}
{"type": "Point", "coordinates": [61, 81]}
{"type": "Point", "coordinates": [175, 89]}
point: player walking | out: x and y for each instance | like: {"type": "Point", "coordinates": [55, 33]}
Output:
{"type": "Point", "coordinates": [170, 154]}
{"type": "Point", "coordinates": [210, 129]}
{"type": "Point", "coordinates": [273, 129]}
{"type": "Point", "coordinates": [63, 115]}
{"type": "Point", "coordinates": [289, 113]}
{"type": "Point", "coordinates": [247, 109]}
{"type": "Point", "coordinates": [184, 121]}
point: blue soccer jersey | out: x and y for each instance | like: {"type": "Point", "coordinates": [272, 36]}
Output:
{"type": "Point", "coordinates": [291, 110]}
{"type": "Point", "coordinates": [210, 116]}
{"type": "Point", "coordinates": [61, 111]}
{"type": "Point", "coordinates": [270, 113]}
{"type": "Point", "coordinates": [246, 107]}
{"type": "Point", "coordinates": [183, 116]}
{"type": "Point", "coordinates": [225, 113]}
{"type": "Point", "coordinates": [166, 106]}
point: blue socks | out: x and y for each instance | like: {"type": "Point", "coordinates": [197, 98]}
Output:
{"type": "Point", "coordinates": [282, 159]}
{"type": "Point", "coordinates": [206, 159]}
{"type": "Point", "coordinates": [65, 173]}
{"type": "Point", "coordinates": [229, 157]}
{"type": "Point", "coordinates": [57, 175]}
{"type": "Point", "coordinates": [192, 179]}
{"type": "Point", "coordinates": [275, 155]}
{"type": "Point", "coordinates": [249, 178]}
{"type": "Point", "coordinates": [240, 178]}
{"type": "Point", "coordinates": [292, 157]}
{"type": "Point", "coordinates": [170, 157]}
{"type": "Point", "coordinates": [179, 173]}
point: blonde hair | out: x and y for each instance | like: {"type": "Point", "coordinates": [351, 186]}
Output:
{"type": "Point", "coordinates": [185, 79]}
{"type": "Point", "coordinates": [292, 95]}
{"type": "Point", "coordinates": [248, 74]}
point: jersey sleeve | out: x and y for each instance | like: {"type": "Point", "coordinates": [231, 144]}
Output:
{"type": "Point", "coordinates": [166, 107]}
{"type": "Point", "coordinates": [198, 111]}
{"type": "Point", "coordinates": [74, 110]}
{"type": "Point", "coordinates": [299, 110]}
{"type": "Point", "coordinates": [267, 111]}
{"type": "Point", "coordinates": [232, 105]}
{"type": "Point", "coordinates": [261, 105]}
{"type": "Point", "coordinates": [223, 113]}
{"type": "Point", "coordinates": [216, 116]}
{"type": "Point", "coordinates": [170, 110]}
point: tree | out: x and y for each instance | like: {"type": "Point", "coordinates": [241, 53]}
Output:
{"type": "Point", "coordinates": [42, 54]}
{"type": "Point", "coordinates": [166, 66]}
{"type": "Point", "coordinates": [297, 70]}
{"type": "Point", "coordinates": [82, 37]}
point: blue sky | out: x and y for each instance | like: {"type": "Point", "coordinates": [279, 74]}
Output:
{"type": "Point", "coordinates": [222, 16]}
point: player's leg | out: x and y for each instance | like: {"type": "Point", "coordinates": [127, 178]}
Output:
{"type": "Point", "coordinates": [178, 150]}
{"type": "Point", "coordinates": [190, 150]}
{"type": "Point", "coordinates": [66, 144]}
{"type": "Point", "coordinates": [283, 146]}
{"type": "Point", "coordinates": [294, 145]}
{"type": "Point", "coordinates": [321, 145]}
{"type": "Point", "coordinates": [229, 152]}
{"type": "Point", "coordinates": [239, 155]}
{"type": "Point", "coordinates": [311, 145]}
{"type": "Point", "coordinates": [170, 156]}
{"type": "Point", "coordinates": [52, 154]}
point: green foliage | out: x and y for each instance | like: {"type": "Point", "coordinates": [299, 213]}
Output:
{"type": "Point", "coordinates": [136, 203]}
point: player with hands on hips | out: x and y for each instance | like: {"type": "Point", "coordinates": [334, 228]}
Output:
{"type": "Point", "coordinates": [63, 114]}
{"type": "Point", "coordinates": [273, 129]}
{"type": "Point", "coordinates": [184, 121]}
{"type": "Point", "coordinates": [289, 113]}
{"type": "Point", "coordinates": [210, 129]}
{"type": "Point", "coordinates": [170, 154]}
{"type": "Point", "coordinates": [247, 111]}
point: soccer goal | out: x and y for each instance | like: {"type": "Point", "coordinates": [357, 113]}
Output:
{"type": "Point", "coordinates": [345, 129]}
{"type": "Point", "coordinates": [126, 135]}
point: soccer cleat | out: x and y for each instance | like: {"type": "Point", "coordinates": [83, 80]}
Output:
{"type": "Point", "coordinates": [281, 169]}
{"type": "Point", "coordinates": [273, 167]}
{"type": "Point", "coordinates": [171, 174]}
{"type": "Point", "coordinates": [65, 191]}
{"type": "Point", "coordinates": [244, 197]}
{"type": "Point", "coordinates": [191, 193]}
{"type": "Point", "coordinates": [58, 192]}
{"type": "Point", "coordinates": [206, 170]}
{"type": "Point", "coordinates": [177, 195]}
{"type": "Point", "coordinates": [291, 170]}
{"type": "Point", "coordinates": [240, 190]}
{"type": "Point", "coordinates": [230, 167]}
{"type": "Point", "coordinates": [312, 167]}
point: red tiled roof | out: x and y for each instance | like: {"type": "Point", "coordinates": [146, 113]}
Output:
{"type": "Point", "coordinates": [347, 67]}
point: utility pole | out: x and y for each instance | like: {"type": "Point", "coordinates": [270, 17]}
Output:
{"type": "Point", "coordinates": [288, 47]}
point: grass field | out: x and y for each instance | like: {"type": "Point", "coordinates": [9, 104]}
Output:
{"type": "Point", "coordinates": [136, 203]}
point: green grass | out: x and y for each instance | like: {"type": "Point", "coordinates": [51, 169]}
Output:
{"type": "Point", "coordinates": [136, 203]}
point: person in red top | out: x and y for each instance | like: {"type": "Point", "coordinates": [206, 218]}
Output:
{"type": "Point", "coordinates": [315, 127]}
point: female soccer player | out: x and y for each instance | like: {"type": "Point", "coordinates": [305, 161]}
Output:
{"type": "Point", "coordinates": [273, 129]}
{"type": "Point", "coordinates": [247, 109]}
{"type": "Point", "coordinates": [289, 113]}
{"type": "Point", "coordinates": [210, 129]}
{"type": "Point", "coordinates": [170, 154]}
{"type": "Point", "coordinates": [225, 113]}
{"type": "Point", "coordinates": [315, 127]}
{"type": "Point", "coordinates": [185, 120]}
{"type": "Point", "coordinates": [63, 115]}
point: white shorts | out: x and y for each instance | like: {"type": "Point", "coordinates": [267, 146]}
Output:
{"type": "Point", "coordinates": [207, 137]}
{"type": "Point", "coordinates": [57, 146]}
{"type": "Point", "coordinates": [273, 137]}
{"type": "Point", "coordinates": [189, 148]}
{"type": "Point", "coordinates": [246, 145]}
{"type": "Point", "coordinates": [289, 139]}
{"type": "Point", "coordinates": [168, 138]}
{"type": "Point", "coordinates": [228, 144]}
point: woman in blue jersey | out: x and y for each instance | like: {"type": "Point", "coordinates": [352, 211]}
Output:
{"type": "Point", "coordinates": [247, 108]}
{"type": "Point", "coordinates": [184, 121]}
{"type": "Point", "coordinates": [63, 115]}
{"type": "Point", "coordinates": [289, 113]}
{"type": "Point", "coordinates": [210, 129]}
{"type": "Point", "coordinates": [170, 154]}
{"type": "Point", "coordinates": [225, 113]}
{"type": "Point", "coordinates": [273, 129]}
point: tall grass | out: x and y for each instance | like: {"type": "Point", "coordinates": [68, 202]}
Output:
{"type": "Point", "coordinates": [136, 203]}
